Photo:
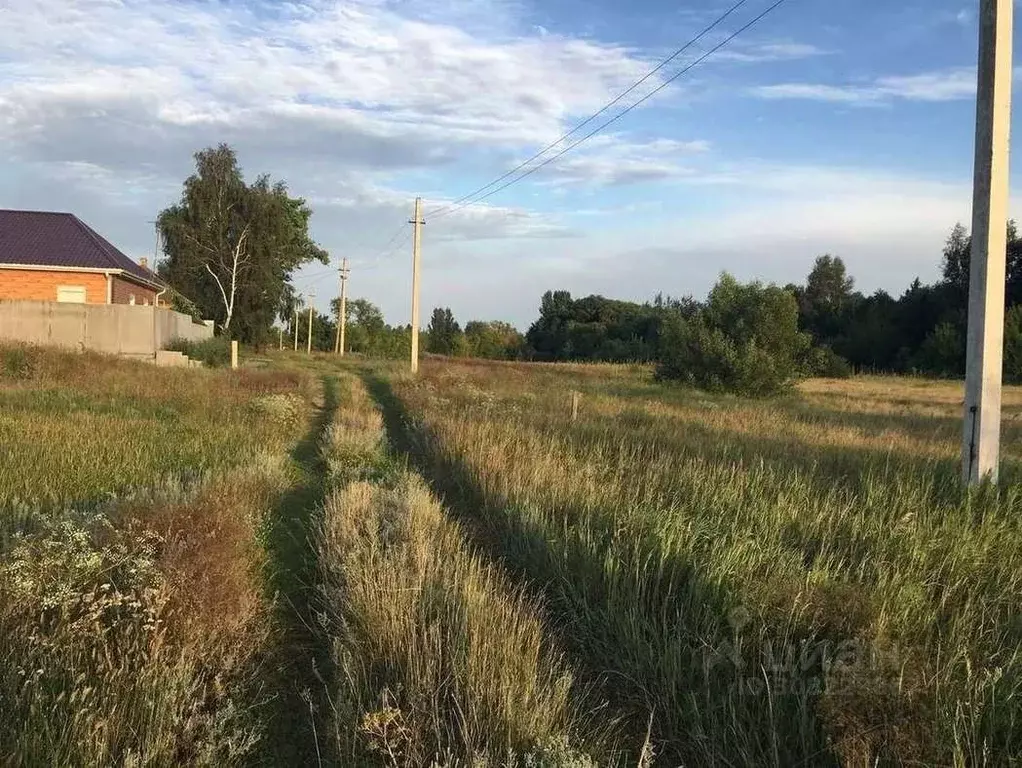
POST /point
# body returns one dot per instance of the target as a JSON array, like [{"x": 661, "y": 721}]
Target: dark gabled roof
[{"x": 46, "y": 239}]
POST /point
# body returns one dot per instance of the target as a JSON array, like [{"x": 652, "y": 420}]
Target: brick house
[{"x": 57, "y": 257}]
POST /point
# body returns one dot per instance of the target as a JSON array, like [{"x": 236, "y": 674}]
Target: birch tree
[{"x": 231, "y": 247}]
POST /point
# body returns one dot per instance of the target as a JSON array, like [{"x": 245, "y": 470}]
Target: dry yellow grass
[
  {"x": 437, "y": 656},
  {"x": 714, "y": 555}
]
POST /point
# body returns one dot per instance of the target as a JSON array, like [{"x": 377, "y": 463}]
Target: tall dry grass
[
  {"x": 814, "y": 599},
  {"x": 438, "y": 658},
  {"x": 132, "y": 599},
  {"x": 130, "y": 634}
]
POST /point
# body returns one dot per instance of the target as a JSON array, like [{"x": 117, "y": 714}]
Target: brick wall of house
[
  {"x": 41, "y": 285},
  {"x": 124, "y": 290}
]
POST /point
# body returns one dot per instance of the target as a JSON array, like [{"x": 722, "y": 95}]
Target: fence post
[
  {"x": 234, "y": 355},
  {"x": 575, "y": 397}
]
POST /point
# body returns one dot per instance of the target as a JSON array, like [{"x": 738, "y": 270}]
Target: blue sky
[{"x": 830, "y": 127}]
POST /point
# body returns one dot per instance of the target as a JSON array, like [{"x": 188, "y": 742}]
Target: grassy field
[
  {"x": 309, "y": 562},
  {"x": 132, "y": 602},
  {"x": 437, "y": 656},
  {"x": 766, "y": 583}
]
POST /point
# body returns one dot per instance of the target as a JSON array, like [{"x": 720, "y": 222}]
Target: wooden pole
[
  {"x": 981, "y": 432},
  {"x": 308, "y": 344},
  {"x": 575, "y": 397},
  {"x": 417, "y": 223},
  {"x": 342, "y": 315},
  {"x": 234, "y": 355}
]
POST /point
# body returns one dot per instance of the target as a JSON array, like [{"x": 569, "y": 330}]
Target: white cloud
[
  {"x": 611, "y": 160},
  {"x": 360, "y": 104},
  {"x": 755, "y": 53},
  {"x": 103, "y": 102},
  {"x": 946, "y": 85},
  {"x": 356, "y": 73}
]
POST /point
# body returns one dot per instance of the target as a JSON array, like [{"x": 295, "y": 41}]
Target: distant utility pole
[
  {"x": 417, "y": 223},
  {"x": 296, "y": 324},
  {"x": 280, "y": 338},
  {"x": 982, "y": 429},
  {"x": 341, "y": 319},
  {"x": 308, "y": 348}
]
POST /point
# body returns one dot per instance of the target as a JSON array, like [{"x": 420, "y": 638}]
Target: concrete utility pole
[
  {"x": 341, "y": 319},
  {"x": 308, "y": 348},
  {"x": 982, "y": 429},
  {"x": 280, "y": 338},
  {"x": 417, "y": 223},
  {"x": 296, "y": 325}
]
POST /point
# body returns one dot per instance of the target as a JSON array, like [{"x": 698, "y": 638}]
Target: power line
[
  {"x": 721, "y": 19},
  {"x": 379, "y": 256},
  {"x": 384, "y": 253},
  {"x": 601, "y": 110},
  {"x": 313, "y": 275},
  {"x": 454, "y": 208},
  {"x": 397, "y": 233}
]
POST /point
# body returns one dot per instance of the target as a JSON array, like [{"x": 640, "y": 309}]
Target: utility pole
[
  {"x": 341, "y": 319},
  {"x": 417, "y": 223},
  {"x": 280, "y": 338},
  {"x": 296, "y": 322},
  {"x": 985, "y": 348},
  {"x": 308, "y": 348}
]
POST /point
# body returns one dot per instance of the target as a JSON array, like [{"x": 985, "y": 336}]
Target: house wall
[
  {"x": 41, "y": 285},
  {"x": 123, "y": 290},
  {"x": 114, "y": 328}
]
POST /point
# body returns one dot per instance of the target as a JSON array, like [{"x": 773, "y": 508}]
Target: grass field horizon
[{"x": 324, "y": 561}]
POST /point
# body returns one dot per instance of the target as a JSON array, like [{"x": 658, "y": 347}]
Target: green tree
[
  {"x": 367, "y": 333},
  {"x": 598, "y": 328},
  {"x": 826, "y": 299},
  {"x": 231, "y": 247},
  {"x": 956, "y": 260},
  {"x": 942, "y": 353},
  {"x": 495, "y": 340},
  {"x": 444, "y": 332},
  {"x": 324, "y": 328}
]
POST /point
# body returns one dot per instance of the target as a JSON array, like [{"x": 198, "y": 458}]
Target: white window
[{"x": 71, "y": 294}]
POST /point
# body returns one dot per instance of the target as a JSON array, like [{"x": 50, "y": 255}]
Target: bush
[
  {"x": 942, "y": 353},
  {"x": 745, "y": 340},
  {"x": 1013, "y": 345},
  {"x": 214, "y": 352},
  {"x": 826, "y": 363}
]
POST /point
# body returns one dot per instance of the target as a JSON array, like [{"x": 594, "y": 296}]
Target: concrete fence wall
[{"x": 119, "y": 329}]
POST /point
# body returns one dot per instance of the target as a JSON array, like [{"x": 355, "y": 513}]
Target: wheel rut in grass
[
  {"x": 452, "y": 482},
  {"x": 300, "y": 661}
]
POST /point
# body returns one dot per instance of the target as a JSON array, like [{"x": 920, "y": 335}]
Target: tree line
[
  {"x": 753, "y": 337},
  {"x": 231, "y": 247}
]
